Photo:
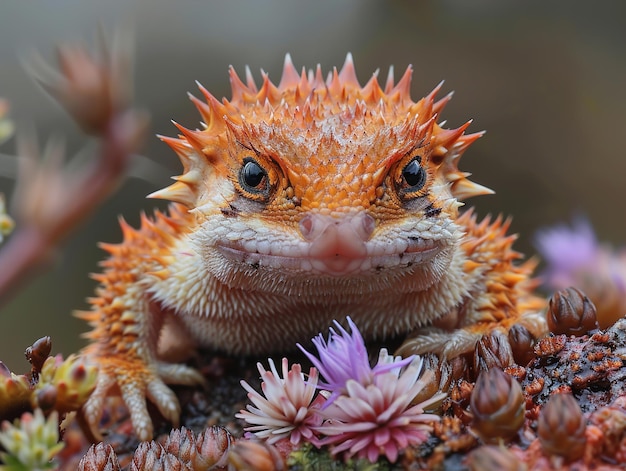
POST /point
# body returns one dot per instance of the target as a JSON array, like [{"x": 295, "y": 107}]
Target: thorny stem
[{"x": 29, "y": 247}]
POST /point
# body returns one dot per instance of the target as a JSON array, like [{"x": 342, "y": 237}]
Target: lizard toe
[
  {"x": 176, "y": 373},
  {"x": 165, "y": 400},
  {"x": 93, "y": 407},
  {"x": 135, "y": 399}
]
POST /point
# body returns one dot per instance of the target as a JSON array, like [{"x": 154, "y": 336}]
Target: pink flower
[
  {"x": 288, "y": 409},
  {"x": 377, "y": 418}
]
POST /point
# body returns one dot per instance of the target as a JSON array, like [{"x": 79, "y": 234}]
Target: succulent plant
[
  {"x": 15, "y": 392},
  {"x": 249, "y": 455},
  {"x": 207, "y": 450},
  {"x": 493, "y": 458},
  {"x": 492, "y": 350},
  {"x": 65, "y": 385},
  {"x": 522, "y": 344},
  {"x": 99, "y": 457},
  {"x": 570, "y": 312},
  {"x": 497, "y": 404},
  {"x": 561, "y": 427},
  {"x": 31, "y": 442}
]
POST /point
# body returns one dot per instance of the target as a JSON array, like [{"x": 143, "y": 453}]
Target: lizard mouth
[{"x": 342, "y": 258}]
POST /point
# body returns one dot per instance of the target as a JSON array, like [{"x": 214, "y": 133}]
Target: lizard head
[{"x": 323, "y": 183}]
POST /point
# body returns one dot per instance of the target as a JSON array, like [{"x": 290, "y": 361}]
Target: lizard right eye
[{"x": 253, "y": 178}]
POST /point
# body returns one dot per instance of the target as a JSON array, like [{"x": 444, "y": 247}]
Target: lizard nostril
[
  {"x": 360, "y": 225},
  {"x": 306, "y": 226}
]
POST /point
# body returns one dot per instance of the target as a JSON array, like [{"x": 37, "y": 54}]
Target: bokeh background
[{"x": 547, "y": 80}]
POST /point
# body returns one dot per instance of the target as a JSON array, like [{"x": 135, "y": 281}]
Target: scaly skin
[{"x": 300, "y": 204}]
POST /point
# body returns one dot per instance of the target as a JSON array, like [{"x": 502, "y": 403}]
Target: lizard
[{"x": 301, "y": 203}]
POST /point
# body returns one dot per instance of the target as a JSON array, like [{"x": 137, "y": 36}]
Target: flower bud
[
  {"x": 570, "y": 312},
  {"x": 213, "y": 445},
  {"x": 38, "y": 352},
  {"x": 497, "y": 404},
  {"x": 521, "y": 341},
  {"x": 493, "y": 458},
  {"x": 150, "y": 456},
  {"x": 492, "y": 350},
  {"x": 100, "y": 457},
  {"x": 182, "y": 444},
  {"x": 251, "y": 455},
  {"x": 440, "y": 381},
  {"x": 561, "y": 427}
]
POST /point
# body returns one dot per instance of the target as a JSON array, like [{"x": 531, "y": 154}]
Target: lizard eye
[
  {"x": 414, "y": 176},
  {"x": 253, "y": 178}
]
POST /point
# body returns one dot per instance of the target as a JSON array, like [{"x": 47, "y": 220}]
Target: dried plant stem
[{"x": 31, "y": 246}]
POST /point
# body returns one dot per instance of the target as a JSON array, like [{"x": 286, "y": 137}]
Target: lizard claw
[
  {"x": 447, "y": 344},
  {"x": 138, "y": 382}
]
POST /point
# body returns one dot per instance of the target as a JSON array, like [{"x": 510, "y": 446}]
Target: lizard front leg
[
  {"x": 500, "y": 294},
  {"x": 126, "y": 330}
]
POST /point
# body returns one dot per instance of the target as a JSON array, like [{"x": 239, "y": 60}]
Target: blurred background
[{"x": 547, "y": 80}]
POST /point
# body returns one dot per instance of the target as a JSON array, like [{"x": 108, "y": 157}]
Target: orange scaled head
[{"x": 319, "y": 174}]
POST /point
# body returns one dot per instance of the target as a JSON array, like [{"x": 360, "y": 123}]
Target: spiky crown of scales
[{"x": 305, "y": 107}]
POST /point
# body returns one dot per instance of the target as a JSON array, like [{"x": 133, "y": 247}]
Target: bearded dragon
[{"x": 301, "y": 203}]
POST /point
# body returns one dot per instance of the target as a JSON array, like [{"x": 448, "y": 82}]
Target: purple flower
[
  {"x": 574, "y": 258},
  {"x": 567, "y": 251},
  {"x": 344, "y": 357}
]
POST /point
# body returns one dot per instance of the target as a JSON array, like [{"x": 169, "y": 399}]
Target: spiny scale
[{"x": 306, "y": 100}]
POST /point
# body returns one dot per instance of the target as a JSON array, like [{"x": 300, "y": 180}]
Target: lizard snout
[{"x": 337, "y": 241}]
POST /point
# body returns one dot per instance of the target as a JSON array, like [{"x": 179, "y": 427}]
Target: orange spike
[
  {"x": 250, "y": 80},
  {"x": 389, "y": 84},
  {"x": 372, "y": 91},
  {"x": 304, "y": 86},
  {"x": 463, "y": 189},
  {"x": 89, "y": 316},
  {"x": 196, "y": 139},
  {"x": 181, "y": 147},
  {"x": 99, "y": 277},
  {"x": 110, "y": 248},
  {"x": 239, "y": 90},
  {"x": 435, "y": 91},
  {"x": 403, "y": 87},
  {"x": 318, "y": 80},
  {"x": 290, "y": 77},
  {"x": 178, "y": 192},
  {"x": 465, "y": 141},
  {"x": 128, "y": 232},
  {"x": 268, "y": 91},
  {"x": 203, "y": 108},
  {"x": 441, "y": 104},
  {"x": 446, "y": 137},
  {"x": 334, "y": 84},
  {"x": 348, "y": 73}
]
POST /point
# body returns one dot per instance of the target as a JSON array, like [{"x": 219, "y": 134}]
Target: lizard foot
[
  {"x": 137, "y": 382},
  {"x": 446, "y": 344},
  {"x": 489, "y": 341}
]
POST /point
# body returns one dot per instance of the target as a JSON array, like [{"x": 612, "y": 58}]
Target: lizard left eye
[
  {"x": 253, "y": 178},
  {"x": 414, "y": 175}
]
